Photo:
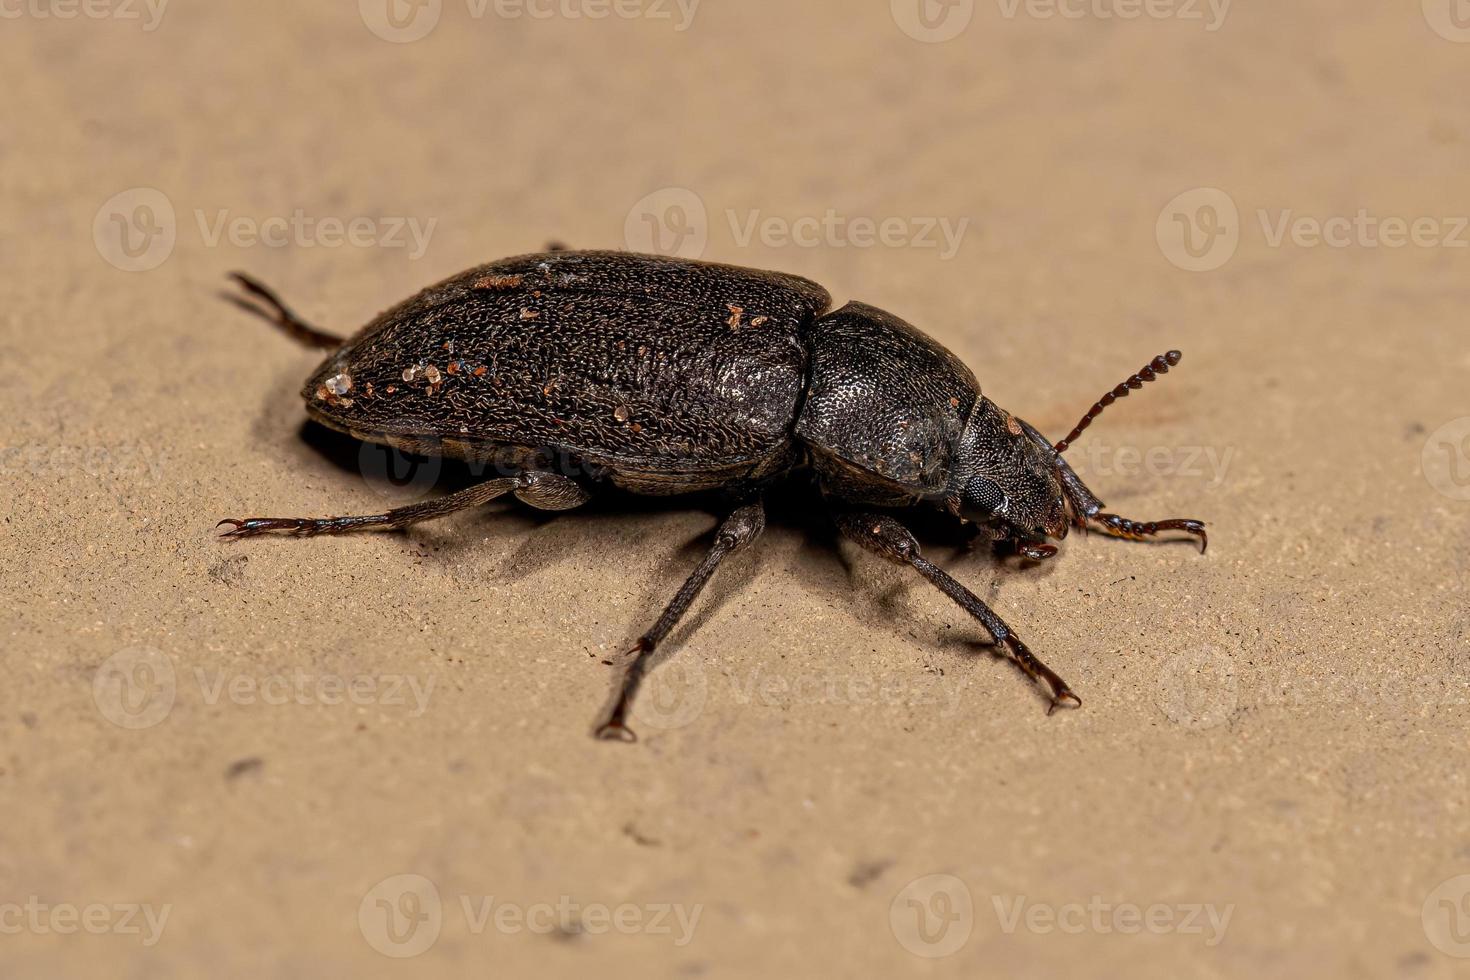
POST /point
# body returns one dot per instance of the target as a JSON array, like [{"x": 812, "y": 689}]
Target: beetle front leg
[
  {"x": 887, "y": 537},
  {"x": 738, "y": 530}
]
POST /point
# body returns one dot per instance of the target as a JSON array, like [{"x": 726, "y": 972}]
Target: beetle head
[{"x": 1005, "y": 478}]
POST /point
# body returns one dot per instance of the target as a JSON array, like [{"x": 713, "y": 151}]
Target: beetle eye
[{"x": 983, "y": 494}]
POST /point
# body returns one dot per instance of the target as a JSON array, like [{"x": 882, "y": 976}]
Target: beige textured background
[{"x": 1276, "y": 729}]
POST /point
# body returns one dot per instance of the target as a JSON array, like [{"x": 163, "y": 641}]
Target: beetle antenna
[{"x": 1150, "y": 371}]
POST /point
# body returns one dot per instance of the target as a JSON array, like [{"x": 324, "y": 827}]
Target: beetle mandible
[{"x": 571, "y": 370}]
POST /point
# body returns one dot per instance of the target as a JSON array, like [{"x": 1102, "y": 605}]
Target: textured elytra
[
  {"x": 886, "y": 399},
  {"x": 646, "y": 364}
]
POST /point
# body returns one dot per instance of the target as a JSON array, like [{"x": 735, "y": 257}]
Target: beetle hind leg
[
  {"x": 392, "y": 520},
  {"x": 263, "y": 302},
  {"x": 1122, "y": 527}
]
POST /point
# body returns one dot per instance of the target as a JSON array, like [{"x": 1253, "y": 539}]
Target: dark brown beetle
[{"x": 569, "y": 370}]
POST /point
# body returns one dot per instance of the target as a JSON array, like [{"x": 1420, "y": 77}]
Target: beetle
[{"x": 570, "y": 371}]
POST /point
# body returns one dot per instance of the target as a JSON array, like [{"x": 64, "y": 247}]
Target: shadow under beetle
[{"x": 568, "y": 370}]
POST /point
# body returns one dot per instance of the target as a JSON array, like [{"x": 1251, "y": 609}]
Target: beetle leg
[
  {"x": 392, "y": 520},
  {"x": 742, "y": 527},
  {"x": 1122, "y": 527},
  {"x": 887, "y": 537},
  {"x": 280, "y": 314}
]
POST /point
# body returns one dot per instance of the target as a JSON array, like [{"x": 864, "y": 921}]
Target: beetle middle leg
[
  {"x": 279, "y": 314},
  {"x": 548, "y": 491},
  {"x": 742, "y": 527},
  {"x": 887, "y": 537}
]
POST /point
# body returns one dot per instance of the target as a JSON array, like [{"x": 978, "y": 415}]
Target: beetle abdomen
[
  {"x": 883, "y": 399},
  {"x": 646, "y": 364}
]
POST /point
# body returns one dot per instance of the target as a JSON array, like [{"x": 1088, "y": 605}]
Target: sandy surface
[{"x": 256, "y": 739}]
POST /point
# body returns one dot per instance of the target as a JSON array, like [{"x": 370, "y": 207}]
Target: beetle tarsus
[
  {"x": 1061, "y": 691},
  {"x": 616, "y": 727},
  {"x": 1061, "y": 698},
  {"x": 1122, "y": 527},
  {"x": 616, "y": 731},
  {"x": 301, "y": 527}
]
